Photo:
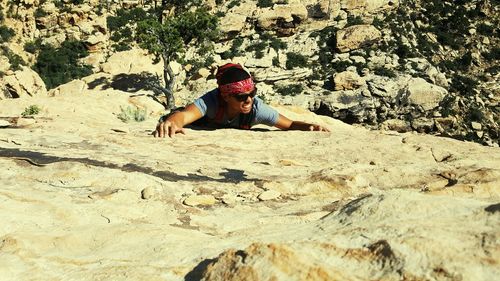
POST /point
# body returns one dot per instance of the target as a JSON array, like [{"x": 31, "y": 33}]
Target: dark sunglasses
[{"x": 244, "y": 97}]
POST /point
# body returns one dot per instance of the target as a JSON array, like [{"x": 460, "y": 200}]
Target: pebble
[
  {"x": 147, "y": 193},
  {"x": 4, "y": 123},
  {"x": 269, "y": 195},
  {"x": 197, "y": 200},
  {"x": 476, "y": 126}
]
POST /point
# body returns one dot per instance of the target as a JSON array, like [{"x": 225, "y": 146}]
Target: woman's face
[{"x": 241, "y": 102}]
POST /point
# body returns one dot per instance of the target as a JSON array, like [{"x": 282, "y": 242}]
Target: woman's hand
[
  {"x": 169, "y": 128},
  {"x": 175, "y": 123}
]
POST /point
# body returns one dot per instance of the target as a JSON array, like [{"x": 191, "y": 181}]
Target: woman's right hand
[{"x": 169, "y": 128}]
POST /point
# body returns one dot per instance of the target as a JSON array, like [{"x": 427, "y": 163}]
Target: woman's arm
[
  {"x": 287, "y": 124},
  {"x": 175, "y": 123}
]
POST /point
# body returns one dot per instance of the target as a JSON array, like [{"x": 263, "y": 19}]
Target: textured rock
[
  {"x": 357, "y": 36},
  {"x": 24, "y": 82},
  {"x": 348, "y": 80},
  {"x": 422, "y": 93},
  {"x": 72, "y": 189}
]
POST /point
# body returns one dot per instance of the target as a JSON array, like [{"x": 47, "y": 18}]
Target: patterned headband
[{"x": 242, "y": 86}]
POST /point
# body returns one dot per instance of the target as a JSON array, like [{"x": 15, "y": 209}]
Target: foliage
[
  {"x": 120, "y": 27},
  {"x": 2, "y": 17},
  {"x": 264, "y": 3},
  {"x": 382, "y": 71},
  {"x": 493, "y": 54},
  {"x": 168, "y": 39},
  {"x": 6, "y": 33},
  {"x": 463, "y": 85},
  {"x": 354, "y": 20},
  {"x": 57, "y": 66},
  {"x": 258, "y": 48},
  {"x": 295, "y": 60},
  {"x": 132, "y": 114},
  {"x": 290, "y": 90},
  {"x": 234, "y": 50},
  {"x": 327, "y": 42},
  {"x": 31, "y": 110},
  {"x": 40, "y": 13},
  {"x": 33, "y": 46},
  {"x": 15, "y": 60},
  {"x": 233, "y": 3}
]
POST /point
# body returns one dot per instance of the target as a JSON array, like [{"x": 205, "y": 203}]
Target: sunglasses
[{"x": 244, "y": 97}]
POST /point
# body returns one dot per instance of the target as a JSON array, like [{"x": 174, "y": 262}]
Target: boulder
[
  {"x": 74, "y": 87},
  {"x": 282, "y": 18},
  {"x": 132, "y": 61},
  {"x": 357, "y": 36},
  {"x": 368, "y": 6},
  {"x": 232, "y": 23},
  {"x": 422, "y": 94},
  {"x": 348, "y": 80},
  {"x": 275, "y": 74},
  {"x": 24, "y": 82}
]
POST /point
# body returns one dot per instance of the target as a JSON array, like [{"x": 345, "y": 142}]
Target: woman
[{"x": 232, "y": 104}]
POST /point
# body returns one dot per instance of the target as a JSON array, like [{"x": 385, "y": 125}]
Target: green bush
[
  {"x": 15, "y": 60},
  {"x": 33, "y": 46},
  {"x": 132, "y": 114},
  {"x": 31, "y": 110},
  {"x": 258, "y": 48},
  {"x": 57, "y": 66},
  {"x": 294, "y": 60},
  {"x": 290, "y": 90},
  {"x": 354, "y": 20},
  {"x": 233, "y": 3},
  {"x": 40, "y": 13},
  {"x": 493, "y": 54},
  {"x": 382, "y": 71},
  {"x": 463, "y": 85},
  {"x": 6, "y": 33},
  {"x": 277, "y": 44},
  {"x": 264, "y": 3}
]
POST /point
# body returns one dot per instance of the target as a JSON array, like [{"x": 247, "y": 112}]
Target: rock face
[
  {"x": 357, "y": 36},
  {"x": 24, "y": 82},
  {"x": 88, "y": 197},
  {"x": 423, "y": 94}
]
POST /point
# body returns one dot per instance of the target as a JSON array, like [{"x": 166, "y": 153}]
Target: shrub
[
  {"x": 264, "y": 3},
  {"x": 277, "y": 44},
  {"x": 290, "y": 90},
  {"x": 15, "y": 60},
  {"x": 233, "y": 3},
  {"x": 132, "y": 114},
  {"x": 40, "y": 13},
  {"x": 493, "y": 54},
  {"x": 6, "y": 34},
  {"x": 385, "y": 72},
  {"x": 31, "y": 110},
  {"x": 33, "y": 46},
  {"x": 57, "y": 66},
  {"x": 258, "y": 48},
  {"x": 295, "y": 60},
  {"x": 354, "y": 20},
  {"x": 463, "y": 85}
]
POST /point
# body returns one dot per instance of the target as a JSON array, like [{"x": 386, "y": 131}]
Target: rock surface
[{"x": 354, "y": 204}]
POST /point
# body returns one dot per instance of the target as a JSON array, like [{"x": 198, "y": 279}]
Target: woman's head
[{"x": 236, "y": 87}]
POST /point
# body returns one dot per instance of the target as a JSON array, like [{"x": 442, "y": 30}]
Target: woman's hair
[{"x": 231, "y": 73}]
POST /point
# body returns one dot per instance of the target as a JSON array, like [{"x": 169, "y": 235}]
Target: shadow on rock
[
  {"x": 199, "y": 270},
  {"x": 130, "y": 83}
]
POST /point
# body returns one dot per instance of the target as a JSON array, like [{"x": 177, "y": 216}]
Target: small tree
[{"x": 166, "y": 40}]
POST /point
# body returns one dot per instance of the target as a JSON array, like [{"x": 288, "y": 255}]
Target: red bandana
[{"x": 243, "y": 86}]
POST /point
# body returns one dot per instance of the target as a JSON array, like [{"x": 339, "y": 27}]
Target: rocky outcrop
[
  {"x": 357, "y": 36},
  {"x": 422, "y": 94},
  {"x": 22, "y": 83},
  {"x": 284, "y": 19},
  {"x": 88, "y": 196}
]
